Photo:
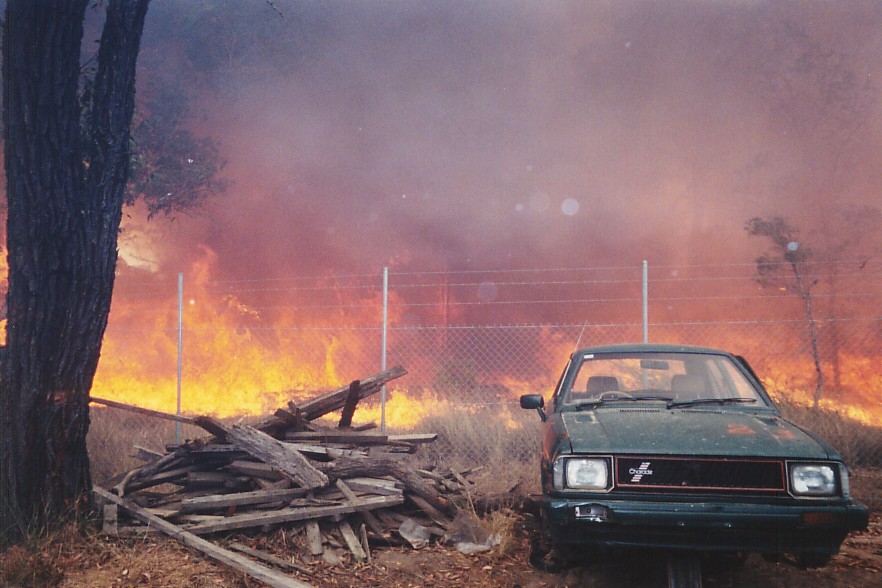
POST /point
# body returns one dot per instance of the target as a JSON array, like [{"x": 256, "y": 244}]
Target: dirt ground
[{"x": 76, "y": 559}]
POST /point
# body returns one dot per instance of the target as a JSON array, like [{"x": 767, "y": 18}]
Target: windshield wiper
[
  {"x": 699, "y": 401},
  {"x": 598, "y": 402}
]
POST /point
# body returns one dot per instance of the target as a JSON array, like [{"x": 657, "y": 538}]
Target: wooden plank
[
  {"x": 292, "y": 418},
  {"x": 255, "y": 469},
  {"x": 148, "y": 470},
  {"x": 430, "y": 510},
  {"x": 144, "y": 411},
  {"x": 314, "y": 538},
  {"x": 255, "y": 570},
  {"x": 312, "y": 449},
  {"x": 373, "y": 467},
  {"x": 218, "y": 501},
  {"x": 145, "y": 454},
  {"x": 213, "y": 426},
  {"x": 287, "y": 460},
  {"x": 336, "y": 399},
  {"x": 350, "y": 437},
  {"x": 372, "y": 488},
  {"x": 363, "y": 427},
  {"x": 352, "y": 541},
  {"x": 414, "y": 438},
  {"x": 354, "y": 499},
  {"x": 269, "y": 558},
  {"x": 287, "y": 515},
  {"x": 362, "y": 536},
  {"x": 109, "y": 526},
  {"x": 215, "y": 479},
  {"x": 349, "y": 405},
  {"x": 164, "y": 477}
]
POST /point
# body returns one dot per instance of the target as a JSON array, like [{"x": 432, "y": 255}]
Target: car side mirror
[{"x": 534, "y": 401}]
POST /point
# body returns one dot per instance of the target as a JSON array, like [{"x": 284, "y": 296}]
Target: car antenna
[{"x": 579, "y": 340}]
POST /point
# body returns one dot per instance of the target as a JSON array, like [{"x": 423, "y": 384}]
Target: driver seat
[{"x": 597, "y": 385}]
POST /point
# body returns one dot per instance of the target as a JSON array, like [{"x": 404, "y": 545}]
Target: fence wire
[{"x": 473, "y": 342}]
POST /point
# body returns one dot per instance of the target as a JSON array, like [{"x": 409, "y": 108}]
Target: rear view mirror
[{"x": 654, "y": 364}]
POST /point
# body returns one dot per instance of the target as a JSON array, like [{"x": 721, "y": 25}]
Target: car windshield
[{"x": 681, "y": 379}]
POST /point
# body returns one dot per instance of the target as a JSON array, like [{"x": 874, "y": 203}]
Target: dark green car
[{"x": 681, "y": 449}]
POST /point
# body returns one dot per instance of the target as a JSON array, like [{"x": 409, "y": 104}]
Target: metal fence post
[
  {"x": 645, "y": 301},
  {"x": 180, "y": 351},
  {"x": 383, "y": 352}
]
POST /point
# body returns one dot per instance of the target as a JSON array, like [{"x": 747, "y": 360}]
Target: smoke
[{"x": 455, "y": 135}]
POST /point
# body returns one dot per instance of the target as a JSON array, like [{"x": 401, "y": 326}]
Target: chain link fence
[{"x": 473, "y": 342}]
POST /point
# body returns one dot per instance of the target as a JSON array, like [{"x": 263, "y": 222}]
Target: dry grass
[
  {"x": 80, "y": 557},
  {"x": 505, "y": 445},
  {"x": 860, "y": 445},
  {"x": 114, "y": 433}
]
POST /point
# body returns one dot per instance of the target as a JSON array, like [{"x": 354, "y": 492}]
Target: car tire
[
  {"x": 807, "y": 561},
  {"x": 684, "y": 571}
]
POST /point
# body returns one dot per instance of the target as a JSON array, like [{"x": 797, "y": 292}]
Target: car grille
[{"x": 691, "y": 474}]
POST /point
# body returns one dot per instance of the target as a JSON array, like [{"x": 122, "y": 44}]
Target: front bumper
[{"x": 703, "y": 526}]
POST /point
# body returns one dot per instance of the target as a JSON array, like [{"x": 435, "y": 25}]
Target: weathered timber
[
  {"x": 144, "y": 411},
  {"x": 287, "y": 460},
  {"x": 164, "y": 477},
  {"x": 145, "y": 454},
  {"x": 269, "y": 558},
  {"x": 216, "y": 479},
  {"x": 461, "y": 479},
  {"x": 255, "y": 469},
  {"x": 314, "y": 538},
  {"x": 375, "y": 486},
  {"x": 362, "y": 536},
  {"x": 255, "y": 570},
  {"x": 293, "y": 419},
  {"x": 109, "y": 525},
  {"x": 414, "y": 438},
  {"x": 349, "y": 405},
  {"x": 218, "y": 450},
  {"x": 321, "y": 405},
  {"x": 336, "y": 399},
  {"x": 286, "y": 515},
  {"x": 240, "y": 499},
  {"x": 352, "y": 438},
  {"x": 147, "y": 470},
  {"x": 352, "y": 541},
  {"x": 326, "y": 450},
  {"x": 430, "y": 510},
  {"x": 363, "y": 427},
  {"x": 213, "y": 426},
  {"x": 353, "y": 498},
  {"x": 379, "y": 467}
]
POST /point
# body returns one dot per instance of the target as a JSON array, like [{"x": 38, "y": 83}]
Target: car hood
[{"x": 687, "y": 431}]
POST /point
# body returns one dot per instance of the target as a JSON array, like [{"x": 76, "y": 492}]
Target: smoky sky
[{"x": 449, "y": 135}]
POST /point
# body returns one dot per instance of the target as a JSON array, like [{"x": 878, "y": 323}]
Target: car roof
[{"x": 648, "y": 348}]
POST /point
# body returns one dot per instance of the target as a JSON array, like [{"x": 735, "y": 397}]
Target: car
[{"x": 681, "y": 449}]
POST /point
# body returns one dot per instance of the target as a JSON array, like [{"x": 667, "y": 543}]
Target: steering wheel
[{"x": 613, "y": 394}]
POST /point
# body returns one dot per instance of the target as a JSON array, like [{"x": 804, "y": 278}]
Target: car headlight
[
  {"x": 807, "y": 479},
  {"x": 581, "y": 473}
]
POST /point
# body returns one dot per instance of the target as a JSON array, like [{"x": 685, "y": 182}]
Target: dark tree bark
[{"x": 66, "y": 167}]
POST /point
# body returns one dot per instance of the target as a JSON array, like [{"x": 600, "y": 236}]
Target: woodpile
[{"x": 289, "y": 471}]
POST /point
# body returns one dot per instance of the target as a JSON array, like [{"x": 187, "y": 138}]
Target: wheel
[
  {"x": 684, "y": 571},
  {"x": 812, "y": 560}
]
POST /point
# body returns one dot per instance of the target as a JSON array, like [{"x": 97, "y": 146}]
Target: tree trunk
[
  {"x": 66, "y": 172},
  {"x": 806, "y": 297}
]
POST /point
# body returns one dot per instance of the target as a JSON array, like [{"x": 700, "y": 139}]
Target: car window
[{"x": 678, "y": 376}]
